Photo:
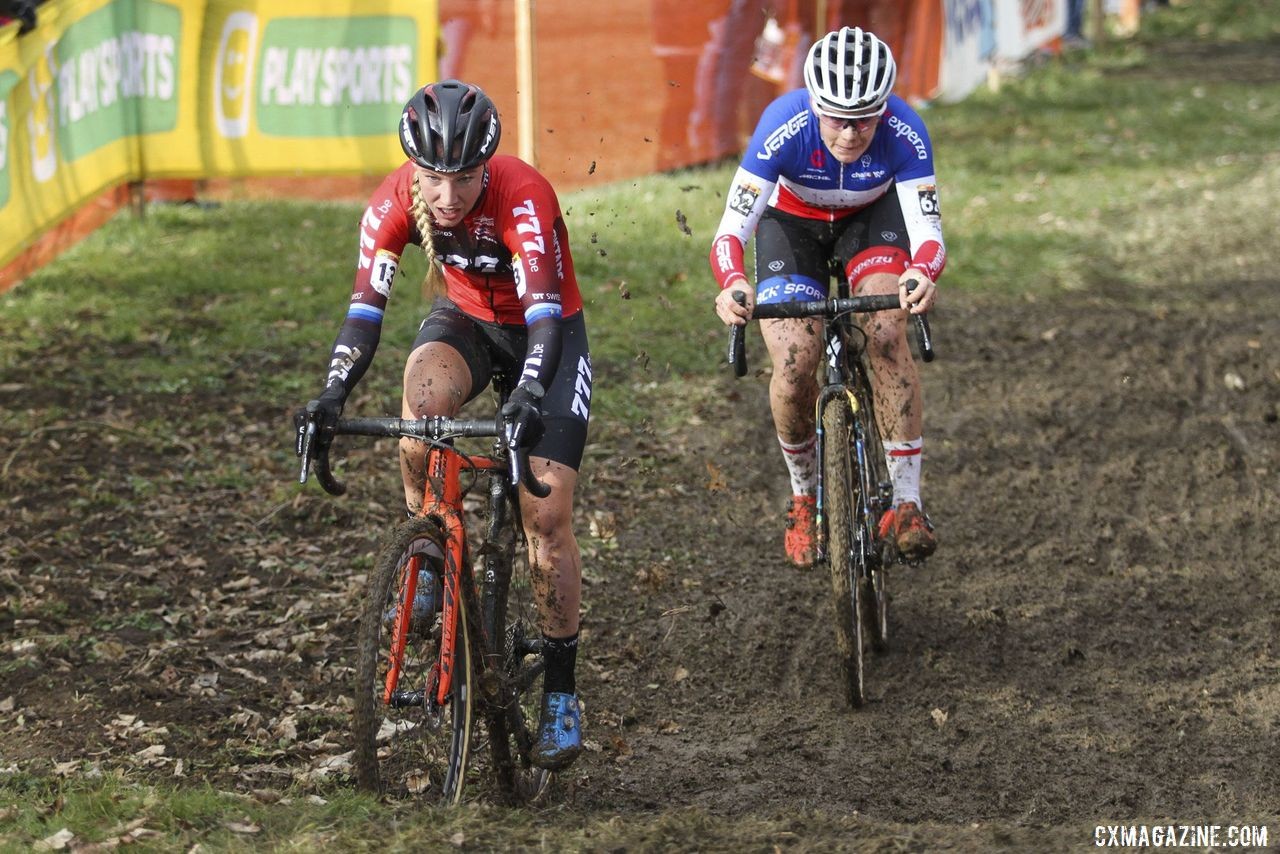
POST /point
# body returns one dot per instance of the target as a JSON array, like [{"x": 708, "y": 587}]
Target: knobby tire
[
  {"x": 840, "y": 499},
  {"x": 512, "y": 620},
  {"x": 403, "y": 750}
]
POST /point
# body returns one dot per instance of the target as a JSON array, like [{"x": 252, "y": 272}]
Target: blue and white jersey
[{"x": 789, "y": 167}]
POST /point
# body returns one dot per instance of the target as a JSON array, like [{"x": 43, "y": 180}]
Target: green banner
[
  {"x": 117, "y": 75},
  {"x": 320, "y": 80},
  {"x": 103, "y": 92},
  {"x": 7, "y": 81}
]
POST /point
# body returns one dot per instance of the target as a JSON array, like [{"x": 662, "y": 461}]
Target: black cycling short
[
  {"x": 795, "y": 255},
  {"x": 498, "y": 350}
]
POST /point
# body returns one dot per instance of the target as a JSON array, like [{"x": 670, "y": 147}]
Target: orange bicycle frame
[{"x": 441, "y": 500}]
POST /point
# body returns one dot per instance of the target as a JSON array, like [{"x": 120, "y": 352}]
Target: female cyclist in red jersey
[{"x": 511, "y": 306}]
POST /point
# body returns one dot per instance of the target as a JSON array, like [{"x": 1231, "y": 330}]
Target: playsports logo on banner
[
  {"x": 329, "y": 72},
  {"x": 304, "y": 77},
  {"x": 104, "y": 92}
]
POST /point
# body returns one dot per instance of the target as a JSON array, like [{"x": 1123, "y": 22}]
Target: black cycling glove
[
  {"x": 324, "y": 412},
  {"x": 522, "y": 416}
]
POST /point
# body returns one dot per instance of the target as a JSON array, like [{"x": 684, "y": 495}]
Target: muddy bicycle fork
[{"x": 441, "y": 501}]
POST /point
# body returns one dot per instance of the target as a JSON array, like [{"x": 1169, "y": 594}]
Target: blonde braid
[{"x": 434, "y": 282}]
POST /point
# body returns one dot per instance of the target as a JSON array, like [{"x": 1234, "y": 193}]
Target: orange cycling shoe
[
  {"x": 912, "y": 531},
  {"x": 799, "y": 538}
]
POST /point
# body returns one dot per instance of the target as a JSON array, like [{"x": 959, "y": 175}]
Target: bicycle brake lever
[
  {"x": 738, "y": 342},
  {"x": 306, "y": 435},
  {"x": 924, "y": 338},
  {"x": 522, "y": 472}
]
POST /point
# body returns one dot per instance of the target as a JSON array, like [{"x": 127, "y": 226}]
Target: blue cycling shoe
[{"x": 559, "y": 732}]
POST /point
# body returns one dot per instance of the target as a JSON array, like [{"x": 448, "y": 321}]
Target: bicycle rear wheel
[
  {"x": 406, "y": 743},
  {"x": 513, "y": 717},
  {"x": 839, "y": 497}
]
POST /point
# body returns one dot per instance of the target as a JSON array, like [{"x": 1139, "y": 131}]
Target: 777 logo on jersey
[{"x": 929, "y": 200}]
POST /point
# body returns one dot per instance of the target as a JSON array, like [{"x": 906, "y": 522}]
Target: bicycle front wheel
[
  {"x": 407, "y": 743},
  {"x": 839, "y": 498}
]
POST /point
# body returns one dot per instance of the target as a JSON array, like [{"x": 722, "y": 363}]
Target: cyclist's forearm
[
  {"x": 922, "y": 214},
  {"x": 727, "y": 261},
  {"x": 352, "y": 354},
  {"x": 542, "y": 356}
]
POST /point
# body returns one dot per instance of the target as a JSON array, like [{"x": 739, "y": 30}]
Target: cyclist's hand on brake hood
[
  {"x": 728, "y": 308},
  {"x": 923, "y": 291},
  {"x": 522, "y": 416},
  {"x": 324, "y": 412}
]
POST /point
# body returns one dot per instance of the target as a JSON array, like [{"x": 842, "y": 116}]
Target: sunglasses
[{"x": 861, "y": 125}]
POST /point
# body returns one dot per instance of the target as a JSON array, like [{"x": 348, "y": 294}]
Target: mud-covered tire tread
[
  {"x": 517, "y": 784},
  {"x": 838, "y": 498},
  {"x": 367, "y": 712}
]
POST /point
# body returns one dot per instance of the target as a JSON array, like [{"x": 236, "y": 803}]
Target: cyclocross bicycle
[
  {"x": 853, "y": 489},
  {"x": 437, "y": 644}
]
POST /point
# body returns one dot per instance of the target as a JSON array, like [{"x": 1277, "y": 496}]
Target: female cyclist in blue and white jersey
[{"x": 839, "y": 171}]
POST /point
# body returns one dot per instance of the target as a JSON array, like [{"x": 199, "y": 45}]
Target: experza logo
[{"x": 536, "y": 245}]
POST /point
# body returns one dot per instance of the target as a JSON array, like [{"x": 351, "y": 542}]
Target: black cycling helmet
[{"x": 449, "y": 126}]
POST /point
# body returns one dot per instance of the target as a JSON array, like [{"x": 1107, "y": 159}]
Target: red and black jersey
[{"x": 508, "y": 262}]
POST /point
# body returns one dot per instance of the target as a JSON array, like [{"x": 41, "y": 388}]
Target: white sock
[
  {"x": 802, "y": 463},
  {"x": 903, "y": 459}
]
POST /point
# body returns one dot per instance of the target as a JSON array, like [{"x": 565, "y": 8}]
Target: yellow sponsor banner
[
  {"x": 311, "y": 86},
  {"x": 108, "y": 91},
  {"x": 69, "y": 137}
]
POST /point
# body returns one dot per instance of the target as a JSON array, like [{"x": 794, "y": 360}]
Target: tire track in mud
[{"x": 1098, "y": 625}]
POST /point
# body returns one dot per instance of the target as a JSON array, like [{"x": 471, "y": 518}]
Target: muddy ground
[{"x": 1095, "y": 640}]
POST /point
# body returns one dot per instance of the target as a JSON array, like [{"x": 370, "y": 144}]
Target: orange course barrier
[
  {"x": 629, "y": 89},
  {"x": 621, "y": 90}
]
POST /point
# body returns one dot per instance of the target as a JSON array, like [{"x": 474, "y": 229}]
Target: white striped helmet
[{"x": 850, "y": 73}]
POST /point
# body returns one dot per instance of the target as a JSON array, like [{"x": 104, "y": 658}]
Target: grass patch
[{"x": 111, "y": 812}]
